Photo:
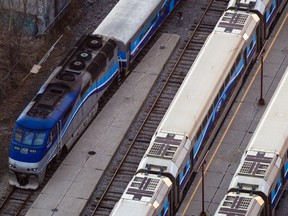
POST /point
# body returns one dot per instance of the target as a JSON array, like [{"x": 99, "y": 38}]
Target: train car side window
[
  {"x": 185, "y": 170},
  {"x": 210, "y": 111},
  {"x": 18, "y": 135},
  {"x": 204, "y": 122},
  {"x": 232, "y": 70},
  {"x": 251, "y": 44},
  {"x": 227, "y": 80},
  {"x": 222, "y": 89},
  {"x": 154, "y": 20},
  {"x": 198, "y": 133},
  {"x": 238, "y": 59}
]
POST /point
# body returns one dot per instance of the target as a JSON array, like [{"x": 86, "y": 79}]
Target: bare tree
[{"x": 15, "y": 57}]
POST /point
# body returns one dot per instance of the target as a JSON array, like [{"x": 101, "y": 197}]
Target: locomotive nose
[{"x": 23, "y": 179}]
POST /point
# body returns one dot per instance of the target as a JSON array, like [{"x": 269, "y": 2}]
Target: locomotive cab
[{"x": 26, "y": 161}]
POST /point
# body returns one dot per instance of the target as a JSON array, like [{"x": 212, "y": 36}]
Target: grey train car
[{"x": 37, "y": 15}]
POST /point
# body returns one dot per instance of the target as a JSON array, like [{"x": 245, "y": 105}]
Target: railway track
[
  {"x": 18, "y": 201},
  {"x": 130, "y": 152},
  {"x": 15, "y": 201}
]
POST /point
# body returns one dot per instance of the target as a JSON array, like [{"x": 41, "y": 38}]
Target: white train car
[
  {"x": 196, "y": 112},
  {"x": 141, "y": 19},
  {"x": 145, "y": 195},
  {"x": 263, "y": 169}
]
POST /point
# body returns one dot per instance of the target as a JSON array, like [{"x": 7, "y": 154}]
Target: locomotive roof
[
  {"x": 272, "y": 132},
  {"x": 209, "y": 69},
  {"x": 57, "y": 96},
  {"x": 126, "y": 18},
  {"x": 46, "y": 122}
]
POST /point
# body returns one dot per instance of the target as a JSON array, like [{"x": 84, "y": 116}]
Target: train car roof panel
[
  {"x": 165, "y": 145},
  {"x": 272, "y": 132},
  {"x": 244, "y": 204},
  {"x": 126, "y": 18},
  {"x": 143, "y": 195},
  {"x": 237, "y": 23}
]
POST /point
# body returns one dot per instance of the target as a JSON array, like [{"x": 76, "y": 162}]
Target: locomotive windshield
[{"x": 28, "y": 137}]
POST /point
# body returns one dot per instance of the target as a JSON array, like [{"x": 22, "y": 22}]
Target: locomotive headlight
[
  {"x": 34, "y": 169},
  {"x": 12, "y": 166}
]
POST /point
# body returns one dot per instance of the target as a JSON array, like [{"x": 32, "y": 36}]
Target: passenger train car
[
  {"x": 132, "y": 24},
  {"x": 196, "y": 112},
  {"x": 68, "y": 101},
  {"x": 262, "y": 175}
]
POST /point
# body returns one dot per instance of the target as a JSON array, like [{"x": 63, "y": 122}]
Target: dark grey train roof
[{"x": 90, "y": 56}]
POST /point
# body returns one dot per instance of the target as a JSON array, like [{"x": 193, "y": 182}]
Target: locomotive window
[
  {"x": 28, "y": 138},
  {"x": 39, "y": 138},
  {"x": 18, "y": 135}
]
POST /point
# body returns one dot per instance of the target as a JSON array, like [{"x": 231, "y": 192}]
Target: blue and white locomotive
[
  {"x": 68, "y": 101},
  {"x": 62, "y": 109},
  {"x": 200, "y": 105},
  {"x": 262, "y": 175}
]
